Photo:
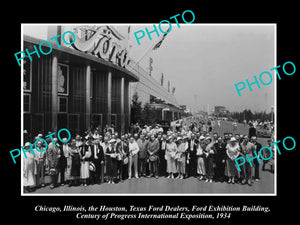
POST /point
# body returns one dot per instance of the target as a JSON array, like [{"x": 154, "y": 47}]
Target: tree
[
  {"x": 136, "y": 108},
  {"x": 149, "y": 115}
]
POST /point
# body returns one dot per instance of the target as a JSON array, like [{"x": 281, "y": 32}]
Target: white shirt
[{"x": 133, "y": 148}]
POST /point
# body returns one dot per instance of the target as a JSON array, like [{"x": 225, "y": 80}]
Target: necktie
[{"x": 95, "y": 152}]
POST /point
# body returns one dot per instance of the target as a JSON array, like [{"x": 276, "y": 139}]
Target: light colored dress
[
  {"x": 171, "y": 149},
  {"x": 29, "y": 169},
  {"x": 200, "y": 161},
  {"x": 84, "y": 169},
  {"x": 232, "y": 153},
  {"x": 181, "y": 158}
]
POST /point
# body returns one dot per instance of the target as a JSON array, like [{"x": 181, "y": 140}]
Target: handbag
[
  {"x": 153, "y": 158},
  {"x": 125, "y": 160},
  {"x": 92, "y": 166}
]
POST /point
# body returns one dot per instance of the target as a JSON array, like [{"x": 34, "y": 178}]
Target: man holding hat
[
  {"x": 153, "y": 158},
  {"x": 53, "y": 154},
  {"x": 96, "y": 161}
]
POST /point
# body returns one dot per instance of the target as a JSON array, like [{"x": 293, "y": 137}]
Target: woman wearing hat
[
  {"x": 75, "y": 164},
  {"x": 85, "y": 153},
  {"x": 232, "y": 151},
  {"x": 201, "y": 170},
  {"x": 180, "y": 158},
  {"x": 111, "y": 161},
  {"x": 209, "y": 160},
  {"x": 29, "y": 169},
  {"x": 171, "y": 149}
]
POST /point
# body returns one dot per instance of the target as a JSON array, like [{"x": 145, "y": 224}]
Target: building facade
[{"x": 73, "y": 88}]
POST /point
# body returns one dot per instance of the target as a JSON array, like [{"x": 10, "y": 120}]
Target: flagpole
[{"x": 148, "y": 50}]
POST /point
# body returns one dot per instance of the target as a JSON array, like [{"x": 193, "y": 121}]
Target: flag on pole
[
  {"x": 158, "y": 44},
  {"x": 150, "y": 65},
  {"x": 173, "y": 90},
  {"x": 162, "y": 79}
]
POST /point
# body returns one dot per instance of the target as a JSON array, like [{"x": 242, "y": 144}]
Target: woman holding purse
[
  {"x": 85, "y": 162},
  {"x": 181, "y": 158},
  {"x": 171, "y": 150},
  {"x": 232, "y": 151},
  {"x": 111, "y": 161}
]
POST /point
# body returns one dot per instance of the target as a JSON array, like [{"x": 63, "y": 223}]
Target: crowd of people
[{"x": 188, "y": 150}]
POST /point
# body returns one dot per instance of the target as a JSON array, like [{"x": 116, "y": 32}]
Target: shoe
[
  {"x": 172, "y": 176},
  {"x": 156, "y": 177},
  {"x": 85, "y": 185},
  {"x": 249, "y": 183},
  {"x": 129, "y": 178},
  {"x": 256, "y": 180},
  {"x": 169, "y": 176},
  {"x": 52, "y": 186},
  {"x": 112, "y": 182},
  {"x": 210, "y": 181},
  {"x": 232, "y": 181},
  {"x": 181, "y": 177},
  {"x": 43, "y": 185},
  {"x": 229, "y": 181},
  {"x": 206, "y": 180},
  {"x": 137, "y": 176},
  {"x": 62, "y": 184}
]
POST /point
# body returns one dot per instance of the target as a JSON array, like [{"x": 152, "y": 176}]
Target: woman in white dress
[
  {"x": 171, "y": 150},
  {"x": 181, "y": 158},
  {"x": 232, "y": 151},
  {"x": 201, "y": 158},
  {"x": 29, "y": 169}
]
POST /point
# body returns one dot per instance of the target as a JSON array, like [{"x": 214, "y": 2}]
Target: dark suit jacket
[
  {"x": 100, "y": 153},
  {"x": 192, "y": 149}
]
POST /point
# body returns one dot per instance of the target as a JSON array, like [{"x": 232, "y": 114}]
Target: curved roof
[{"x": 77, "y": 56}]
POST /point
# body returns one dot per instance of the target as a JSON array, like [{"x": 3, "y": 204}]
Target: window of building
[
  {"x": 63, "y": 104},
  {"x": 27, "y": 103},
  {"x": 27, "y": 74}
]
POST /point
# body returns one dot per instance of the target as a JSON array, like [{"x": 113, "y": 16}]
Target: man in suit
[
  {"x": 142, "y": 155},
  {"x": 255, "y": 162},
  {"x": 53, "y": 154},
  {"x": 162, "y": 166},
  {"x": 192, "y": 158},
  {"x": 97, "y": 159}
]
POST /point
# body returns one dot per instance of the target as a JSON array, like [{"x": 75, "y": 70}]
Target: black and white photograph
[
  {"x": 132, "y": 114},
  {"x": 150, "y": 109}
]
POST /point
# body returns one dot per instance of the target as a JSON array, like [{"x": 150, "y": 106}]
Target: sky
[{"x": 205, "y": 61}]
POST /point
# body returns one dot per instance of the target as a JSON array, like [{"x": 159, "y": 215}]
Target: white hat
[
  {"x": 232, "y": 139},
  {"x": 202, "y": 137},
  {"x": 112, "y": 140},
  {"x": 179, "y": 138}
]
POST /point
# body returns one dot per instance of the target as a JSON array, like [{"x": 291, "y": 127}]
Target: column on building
[
  {"x": 88, "y": 94},
  {"x": 109, "y": 90},
  {"x": 54, "y": 93},
  {"x": 122, "y": 102}
]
